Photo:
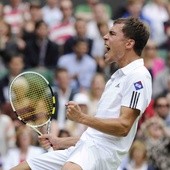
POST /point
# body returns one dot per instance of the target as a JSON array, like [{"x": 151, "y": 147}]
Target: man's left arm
[{"x": 113, "y": 126}]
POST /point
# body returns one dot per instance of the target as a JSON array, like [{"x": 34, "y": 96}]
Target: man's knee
[{"x": 71, "y": 166}]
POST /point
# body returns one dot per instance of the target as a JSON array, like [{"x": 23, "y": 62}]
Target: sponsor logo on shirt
[{"x": 138, "y": 85}]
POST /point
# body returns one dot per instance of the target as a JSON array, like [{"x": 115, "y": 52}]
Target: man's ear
[{"x": 130, "y": 43}]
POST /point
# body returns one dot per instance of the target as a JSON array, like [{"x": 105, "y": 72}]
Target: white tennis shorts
[{"x": 86, "y": 154}]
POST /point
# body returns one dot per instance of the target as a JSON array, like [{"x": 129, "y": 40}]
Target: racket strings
[{"x": 32, "y": 99}]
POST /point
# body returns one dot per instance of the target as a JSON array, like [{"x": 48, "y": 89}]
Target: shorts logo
[{"x": 138, "y": 85}]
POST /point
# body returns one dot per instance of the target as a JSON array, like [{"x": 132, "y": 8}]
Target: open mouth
[{"x": 107, "y": 48}]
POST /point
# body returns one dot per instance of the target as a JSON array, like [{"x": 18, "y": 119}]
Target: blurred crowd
[{"x": 65, "y": 43}]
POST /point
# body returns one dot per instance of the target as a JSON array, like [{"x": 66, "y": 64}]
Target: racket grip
[{"x": 50, "y": 149}]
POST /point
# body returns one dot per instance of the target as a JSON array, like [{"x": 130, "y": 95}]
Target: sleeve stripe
[
  {"x": 138, "y": 94},
  {"x": 134, "y": 99}
]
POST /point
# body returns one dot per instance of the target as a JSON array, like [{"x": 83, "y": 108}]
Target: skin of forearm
[
  {"x": 65, "y": 142},
  {"x": 114, "y": 126}
]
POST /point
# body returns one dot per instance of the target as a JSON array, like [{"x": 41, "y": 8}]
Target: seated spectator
[
  {"x": 7, "y": 135},
  {"x": 81, "y": 31},
  {"x": 8, "y": 43},
  {"x": 160, "y": 83},
  {"x": 157, "y": 140},
  {"x": 134, "y": 9},
  {"x": 100, "y": 16},
  {"x": 162, "y": 109},
  {"x": 138, "y": 159},
  {"x": 98, "y": 49},
  {"x": 15, "y": 66},
  {"x": 35, "y": 16},
  {"x": 153, "y": 62},
  {"x": 51, "y": 12},
  {"x": 63, "y": 30},
  {"x": 166, "y": 45},
  {"x": 80, "y": 65},
  {"x": 63, "y": 93},
  {"x": 95, "y": 92},
  {"x": 15, "y": 13},
  {"x": 40, "y": 51},
  {"x": 24, "y": 149},
  {"x": 156, "y": 12}
]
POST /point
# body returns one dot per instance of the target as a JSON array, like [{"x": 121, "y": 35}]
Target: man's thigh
[
  {"x": 71, "y": 166},
  {"x": 50, "y": 161},
  {"x": 22, "y": 166}
]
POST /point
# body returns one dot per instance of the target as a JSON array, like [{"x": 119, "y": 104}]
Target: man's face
[{"x": 115, "y": 43}]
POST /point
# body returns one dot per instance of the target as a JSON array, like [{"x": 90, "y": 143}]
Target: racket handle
[{"x": 50, "y": 149}]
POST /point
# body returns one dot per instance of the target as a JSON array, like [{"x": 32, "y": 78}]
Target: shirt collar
[{"x": 129, "y": 68}]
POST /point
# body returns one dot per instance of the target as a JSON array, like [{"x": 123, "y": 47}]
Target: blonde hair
[
  {"x": 150, "y": 122},
  {"x": 20, "y": 130},
  {"x": 138, "y": 145}
]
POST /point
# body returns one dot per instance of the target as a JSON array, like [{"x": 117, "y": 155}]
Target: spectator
[
  {"x": 81, "y": 66},
  {"x": 40, "y": 51},
  {"x": 95, "y": 92},
  {"x": 63, "y": 30},
  {"x": 7, "y": 135},
  {"x": 157, "y": 21},
  {"x": 153, "y": 62},
  {"x": 24, "y": 148},
  {"x": 8, "y": 43},
  {"x": 81, "y": 31},
  {"x": 35, "y": 16},
  {"x": 15, "y": 13},
  {"x": 134, "y": 9},
  {"x": 51, "y": 12},
  {"x": 64, "y": 93},
  {"x": 15, "y": 66},
  {"x": 160, "y": 83},
  {"x": 138, "y": 157},
  {"x": 162, "y": 109},
  {"x": 166, "y": 45},
  {"x": 156, "y": 137},
  {"x": 100, "y": 16},
  {"x": 35, "y": 11},
  {"x": 98, "y": 49}
]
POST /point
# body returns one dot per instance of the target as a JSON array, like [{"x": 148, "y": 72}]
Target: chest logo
[{"x": 118, "y": 85}]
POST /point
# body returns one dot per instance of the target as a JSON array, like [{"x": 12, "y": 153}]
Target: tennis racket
[{"x": 33, "y": 101}]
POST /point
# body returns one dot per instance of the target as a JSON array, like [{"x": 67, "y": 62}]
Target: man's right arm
[{"x": 57, "y": 143}]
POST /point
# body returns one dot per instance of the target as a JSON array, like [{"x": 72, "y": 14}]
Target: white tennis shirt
[{"x": 130, "y": 86}]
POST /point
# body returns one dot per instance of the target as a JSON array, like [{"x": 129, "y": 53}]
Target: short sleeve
[{"x": 137, "y": 92}]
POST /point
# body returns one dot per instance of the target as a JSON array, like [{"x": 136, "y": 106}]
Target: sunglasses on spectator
[{"x": 162, "y": 105}]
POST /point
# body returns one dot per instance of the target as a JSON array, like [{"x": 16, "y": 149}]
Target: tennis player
[{"x": 112, "y": 130}]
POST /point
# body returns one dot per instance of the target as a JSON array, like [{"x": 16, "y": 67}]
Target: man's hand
[
  {"x": 74, "y": 112},
  {"x": 46, "y": 140}
]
